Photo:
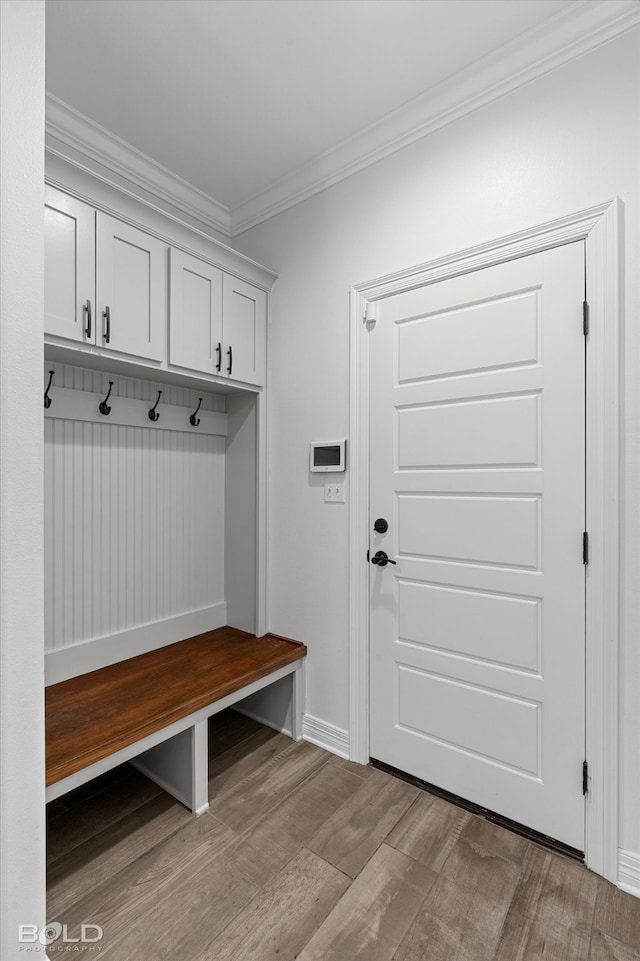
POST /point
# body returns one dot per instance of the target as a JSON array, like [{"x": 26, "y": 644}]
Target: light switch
[{"x": 334, "y": 493}]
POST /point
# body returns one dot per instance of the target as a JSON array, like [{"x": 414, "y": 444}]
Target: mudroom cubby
[
  {"x": 153, "y": 573},
  {"x": 155, "y": 492}
]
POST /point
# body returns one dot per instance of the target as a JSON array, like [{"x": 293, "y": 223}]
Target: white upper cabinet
[
  {"x": 195, "y": 311},
  {"x": 108, "y": 286},
  {"x": 104, "y": 280},
  {"x": 217, "y": 324},
  {"x": 130, "y": 277},
  {"x": 69, "y": 267},
  {"x": 244, "y": 328}
]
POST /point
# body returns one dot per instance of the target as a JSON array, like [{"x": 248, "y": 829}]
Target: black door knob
[
  {"x": 381, "y": 558},
  {"x": 381, "y": 526}
]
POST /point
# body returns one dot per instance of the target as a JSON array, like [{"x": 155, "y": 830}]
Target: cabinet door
[
  {"x": 131, "y": 298},
  {"x": 69, "y": 267},
  {"x": 195, "y": 314},
  {"x": 244, "y": 326}
]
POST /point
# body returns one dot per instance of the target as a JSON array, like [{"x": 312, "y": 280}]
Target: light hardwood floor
[{"x": 304, "y": 855}]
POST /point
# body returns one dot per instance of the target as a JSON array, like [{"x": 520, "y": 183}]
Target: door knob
[
  {"x": 381, "y": 558},
  {"x": 381, "y": 526}
]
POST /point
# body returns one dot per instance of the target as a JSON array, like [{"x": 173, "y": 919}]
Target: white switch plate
[{"x": 333, "y": 493}]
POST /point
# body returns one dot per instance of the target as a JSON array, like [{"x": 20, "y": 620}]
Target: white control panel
[{"x": 328, "y": 457}]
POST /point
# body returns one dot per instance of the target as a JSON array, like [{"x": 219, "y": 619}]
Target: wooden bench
[{"x": 153, "y": 709}]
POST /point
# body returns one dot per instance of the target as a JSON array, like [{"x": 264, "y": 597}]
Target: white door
[
  {"x": 195, "y": 314},
  {"x": 244, "y": 321},
  {"x": 69, "y": 267},
  {"x": 131, "y": 296},
  {"x": 478, "y": 466}
]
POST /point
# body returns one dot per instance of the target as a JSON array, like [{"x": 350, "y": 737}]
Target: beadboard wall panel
[{"x": 134, "y": 519}]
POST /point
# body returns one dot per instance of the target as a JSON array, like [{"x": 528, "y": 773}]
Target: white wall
[
  {"x": 560, "y": 144},
  {"x": 22, "y": 856}
]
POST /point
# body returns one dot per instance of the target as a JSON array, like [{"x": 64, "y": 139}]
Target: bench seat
[{"x": 154, "y": 707}]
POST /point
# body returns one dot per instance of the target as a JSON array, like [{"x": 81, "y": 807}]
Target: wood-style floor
[{"x": 304, "y": 855}]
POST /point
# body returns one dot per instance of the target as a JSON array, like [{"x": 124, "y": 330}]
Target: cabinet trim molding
[
  {"x": 103, "y": 193},
  {"x": 75, "y": 130}
]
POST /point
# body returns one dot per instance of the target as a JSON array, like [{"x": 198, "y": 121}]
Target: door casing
[{"x": 599, "y": 227}]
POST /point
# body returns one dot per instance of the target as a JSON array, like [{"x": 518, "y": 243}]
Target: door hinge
[
  {"x": 585, "y": 547},
  {"x": 368, "y": 555},
  {"x": 585, "y": 777},
  {"x": 585, "y": 318}
]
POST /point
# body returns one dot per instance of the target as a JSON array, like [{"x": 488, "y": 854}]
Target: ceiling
[{"x": 235, "y": 97}]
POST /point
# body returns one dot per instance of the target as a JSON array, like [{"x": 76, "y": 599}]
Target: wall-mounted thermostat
[{"x": 329, "y": 457}]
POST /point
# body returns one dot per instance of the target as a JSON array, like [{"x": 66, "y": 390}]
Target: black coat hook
[
  {"x": 47, "y": 399},
  {"x": 193, "y": 420},
  {"x": 153, "y": 413},
  {"x": 104, "y": 407}
]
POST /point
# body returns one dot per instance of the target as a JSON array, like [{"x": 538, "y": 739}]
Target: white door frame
[{"x": 599, "y": 228}]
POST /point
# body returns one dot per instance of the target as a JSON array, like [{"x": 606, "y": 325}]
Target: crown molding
[
  {"x": 74, "y": 133},
  {"x": 578, "y": 30}
]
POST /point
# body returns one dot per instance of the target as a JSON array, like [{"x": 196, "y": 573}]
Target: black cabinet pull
[
  {"x": 219, "y": 360},
  {"x": 107, "y": 330},
  {"x": 230, "y": 354},
  {"x": 87, "y": 312}
]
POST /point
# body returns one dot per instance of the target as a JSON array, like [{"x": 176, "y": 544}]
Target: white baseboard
[
  {"x": 629, "y": 872},
  {"x": 66, "y": 662},
  {"x": 328, "y": 736}
]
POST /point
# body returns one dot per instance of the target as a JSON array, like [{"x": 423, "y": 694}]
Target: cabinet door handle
[
  {"x": 219, "y": 360},
  {"x": 107, "y": 327},
  {"x": 87, "y": 313},
  {"x": 230, "y": 355}
]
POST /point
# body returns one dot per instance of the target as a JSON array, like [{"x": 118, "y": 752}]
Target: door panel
[
  {"x": 507, "y": 736},
  {"x": 486, "y": 529},
  {"x": 494, "y": 628},
  {"x": 495, "y": 432},
  {"x": 497, "y": 333},
  {"x": 477, "y": 635}
]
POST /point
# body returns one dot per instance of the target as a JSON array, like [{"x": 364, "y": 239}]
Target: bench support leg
[
  {"x": 297, "y": 701},
  {"x": 180, "y": 765}
]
